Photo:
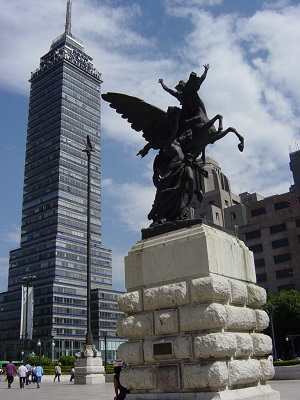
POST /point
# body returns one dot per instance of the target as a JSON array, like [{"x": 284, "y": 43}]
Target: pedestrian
[
  {"x": 72, "y": 374},
  {"x": 10, "y": 372},
  {"x": 28, "y": 375},
  {"x": 120, "y": 390},
  {"x": 57, "y": 372},
  {"x": 22, "y": 372},
  {"x": 38, "y": 371},
  {"x": 33, "y": 376}
]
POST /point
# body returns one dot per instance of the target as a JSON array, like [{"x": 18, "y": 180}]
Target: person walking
[
  {"x": 72, "y": 374},
  {"x": 10, "y": 372},
  {"x": 120, "y": 391},
  {"x": 57, "y": 373},
  {"x": 28, "y": 375},
  {"x": 38, "y": 370},
  {"x": 22, "y": 372}
]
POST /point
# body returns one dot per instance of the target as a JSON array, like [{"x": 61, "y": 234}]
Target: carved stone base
[
  {"x": 194, "y": 319},
  {"x": 264, "y": 392},
  {"x": 89, "y": 368}
]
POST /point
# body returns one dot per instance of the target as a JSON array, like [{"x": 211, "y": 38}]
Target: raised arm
[
  {"x": 203, "y": 76},
  {"x": 165, "y": 87}
]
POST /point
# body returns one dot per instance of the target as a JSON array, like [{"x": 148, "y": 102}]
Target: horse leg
[
  {"x": 220, "y": 135},
  {"x": 239, "y": 136}
]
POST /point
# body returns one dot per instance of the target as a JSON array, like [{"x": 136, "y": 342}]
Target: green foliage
[
  {"x": 67, "y": 360},
  {"x": 34, "y": 360},
  {"x": 286, "y": 363},
  {"x": 285, "y": 310},
  {"x": 109, "y": 368},
  {"x": 50, "y": 370}
]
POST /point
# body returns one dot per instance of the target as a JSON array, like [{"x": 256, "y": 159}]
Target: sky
[{"x": 253, "y": 50}]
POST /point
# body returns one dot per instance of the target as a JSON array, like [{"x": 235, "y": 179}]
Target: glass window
[
  {"x": 258, "y": 211},
  {"x": 277, "y": 228},
  {"x": 281, "y": 205},
  {"x": 260, "y": 262},
  {"x": 256, "y": 248},
  {"x": 280, "y": 258},
  {"x": 261, "y": 278},
  {"x": 280, "y": 243},
  {"x": 284, "y": 273},
  {"x": 252, "y": 234},
  {"x": 286, "y": 287}
]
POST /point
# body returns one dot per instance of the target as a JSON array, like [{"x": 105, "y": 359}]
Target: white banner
[{"x": 26, "y": 325}]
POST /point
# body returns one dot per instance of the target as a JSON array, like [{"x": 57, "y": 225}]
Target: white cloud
[{"x": 131, "y": 202}]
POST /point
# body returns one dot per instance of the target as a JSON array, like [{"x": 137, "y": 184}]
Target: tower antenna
[{"x": 68, "y": 18}]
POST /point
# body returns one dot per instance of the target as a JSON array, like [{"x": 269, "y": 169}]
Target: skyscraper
[{"x": 64, "y": 108}]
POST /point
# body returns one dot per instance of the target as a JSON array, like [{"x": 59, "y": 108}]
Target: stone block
[
  {"x": 244, "y": 371},
  {"x": 182, "y": 347},
  {"x": 262, "y": 320},
  {"x": 239, "y": 292},
  {"x": 209, "y": 289},
  {"x": 139, "y": 378},
  {"x": 262, "y": 344},
  {"x": 257, "y": 296},
  {"x": 168, "y": 376},
  {"x": 196, "y": 251},
  {"x": 138, "y": 326},
  {"x": 165, "y": 322},
  {"x": 131, "y": 352},
  {"x": 240, "y": 318},
  {"x": 130, "y": 302},
  {"x": 205, "y": 375},
  {"x": 215, "y": 345},
  {"x": 166, "y": 296},
  {"x": 244, "y": 344},
  {"x": 161, "y": 345},
  {"x": 268, "y": 370},
  {"x": 200, "y": 317}
]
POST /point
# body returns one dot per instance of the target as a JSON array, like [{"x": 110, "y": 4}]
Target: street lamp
[
  {"x": 22, "y": 354},
  {"x": 39, "y": 344},
  {"x": 53, "y": 345},
  {"x": 292, "y": 337},
  {"x": 270, "y": 309},
  {"x": 88, "y": 150}
]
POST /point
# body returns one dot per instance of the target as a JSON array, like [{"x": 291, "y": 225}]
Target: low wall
[{"x": 287, "y": 372}]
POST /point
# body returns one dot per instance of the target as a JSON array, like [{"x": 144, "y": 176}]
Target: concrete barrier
[{"x": 287, "y": 372}]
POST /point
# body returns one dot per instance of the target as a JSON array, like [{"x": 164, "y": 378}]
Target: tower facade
[{"x": 64, "y": 108}]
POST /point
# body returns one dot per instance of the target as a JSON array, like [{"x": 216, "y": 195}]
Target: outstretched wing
[{"x": 142, "y": 116}]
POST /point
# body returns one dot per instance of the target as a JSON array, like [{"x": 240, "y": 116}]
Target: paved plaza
[{"x": 289, "y": 390}]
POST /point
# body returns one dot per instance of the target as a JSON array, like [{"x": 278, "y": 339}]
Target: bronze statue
[{"x": 180, "y": 135}]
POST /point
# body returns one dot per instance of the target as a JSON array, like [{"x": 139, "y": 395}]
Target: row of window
[
  {"x": 262, "y": 210},
  {"x": 281, "y": 274}
]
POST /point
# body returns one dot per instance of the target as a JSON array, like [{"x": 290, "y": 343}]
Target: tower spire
[{"x": 68, "y": 18}]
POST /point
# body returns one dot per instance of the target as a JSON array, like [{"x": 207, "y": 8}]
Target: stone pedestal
[
  {"x": 194, "y": 320},
  {"x": 89, "y": 369}
]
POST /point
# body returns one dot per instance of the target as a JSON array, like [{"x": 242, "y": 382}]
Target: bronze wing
[{"x": 142, "y": 116}]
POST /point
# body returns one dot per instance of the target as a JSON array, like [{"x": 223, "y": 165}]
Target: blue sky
[{"x": 252, "y": 47}]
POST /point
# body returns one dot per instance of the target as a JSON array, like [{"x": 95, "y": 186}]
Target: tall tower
[{"x": 64, "y": 108}]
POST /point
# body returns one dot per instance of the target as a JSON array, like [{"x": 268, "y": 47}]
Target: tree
[{"x": 286, "y": 320}]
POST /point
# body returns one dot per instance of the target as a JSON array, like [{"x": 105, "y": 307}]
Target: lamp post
[
  {"x": 53, "y": 345},
  {"x": 291, "y": 338},
  {"x": 270, "y": 309},
  {"x": 88, "y": 150},
  {"x": 26, "y": 281},
  {"x": 22, "y": 355},
  {"x": 39, "y": 344}
]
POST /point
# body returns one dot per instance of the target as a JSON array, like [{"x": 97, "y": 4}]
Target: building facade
[
  {"x": 270, "y": 226},
  {"x": 64, "y": 108}
]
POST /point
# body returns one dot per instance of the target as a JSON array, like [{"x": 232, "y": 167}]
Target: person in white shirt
[{"x": 22, "y": 372}]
